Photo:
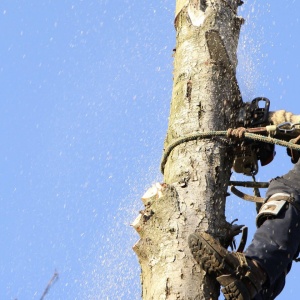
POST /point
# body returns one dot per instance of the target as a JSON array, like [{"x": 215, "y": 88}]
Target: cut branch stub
[
  {"x": 153, "y": 193},
  {"x": 153, "y": 223}
]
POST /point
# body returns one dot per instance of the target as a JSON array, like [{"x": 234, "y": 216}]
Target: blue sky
[{"x": 85, "y": 94}]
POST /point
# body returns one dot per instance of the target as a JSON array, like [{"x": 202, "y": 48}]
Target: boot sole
[
  {"x": 235, "y": 291},
  {"x": 209, "y": 254}
]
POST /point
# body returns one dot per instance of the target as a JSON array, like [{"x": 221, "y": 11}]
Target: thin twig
[{"x": 49, "y": 285}]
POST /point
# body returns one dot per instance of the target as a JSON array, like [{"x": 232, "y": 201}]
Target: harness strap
[
  {"x": 289, "y": 198},
  {"x": 243, "y": 240},
  {"x": 246, "y": 197}
]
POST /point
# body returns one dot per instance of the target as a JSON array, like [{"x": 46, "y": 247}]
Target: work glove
[{"x": 294, "y": 154}]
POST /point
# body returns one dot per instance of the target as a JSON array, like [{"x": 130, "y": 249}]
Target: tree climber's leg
[
  {"x": 240, "y": 277},
  {"x": 272, "y": 291},
  {"x": 261, "y": 270},
  {"x": 275, "y": 245}
]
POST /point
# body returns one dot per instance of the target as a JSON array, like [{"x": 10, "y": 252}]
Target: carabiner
[{"x": 285, "y": 130}]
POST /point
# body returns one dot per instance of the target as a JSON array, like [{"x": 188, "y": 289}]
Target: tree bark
[{"x": 196, "y": 173}]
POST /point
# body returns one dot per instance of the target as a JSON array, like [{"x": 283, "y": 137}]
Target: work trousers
[{"x": 274, "y": 246}]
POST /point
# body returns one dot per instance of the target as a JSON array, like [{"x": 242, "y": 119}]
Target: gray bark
[{"x": 196, "y": 174}]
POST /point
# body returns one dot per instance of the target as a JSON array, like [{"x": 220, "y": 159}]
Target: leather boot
[{"x": 241, "y": 277}]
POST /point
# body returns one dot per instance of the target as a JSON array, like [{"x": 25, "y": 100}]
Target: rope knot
[{"x": 237, "y": 133}]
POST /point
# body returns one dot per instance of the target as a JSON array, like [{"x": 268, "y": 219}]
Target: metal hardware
[
  {"x": 255, "y": 112},
  {"x": 286, "y": 127}
]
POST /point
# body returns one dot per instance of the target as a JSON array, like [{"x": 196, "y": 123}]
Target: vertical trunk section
[{"x": 196, "y": 174}]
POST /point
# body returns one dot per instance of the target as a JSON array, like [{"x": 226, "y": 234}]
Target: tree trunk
[{"x": 196, "y": 174}]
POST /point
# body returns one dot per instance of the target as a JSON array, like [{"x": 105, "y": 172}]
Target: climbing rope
[{"x": 210, "y": 134}]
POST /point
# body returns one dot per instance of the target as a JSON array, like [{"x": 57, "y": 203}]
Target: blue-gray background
[{"x": 84, "y": 104}]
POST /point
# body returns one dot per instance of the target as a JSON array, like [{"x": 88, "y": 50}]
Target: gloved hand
[{"x": 294, "y": 154}]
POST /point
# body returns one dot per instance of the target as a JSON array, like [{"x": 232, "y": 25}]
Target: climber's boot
[{"x": 241, "y": 277}]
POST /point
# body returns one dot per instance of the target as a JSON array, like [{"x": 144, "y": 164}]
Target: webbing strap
[
  {"x": 290, "y": 199},
  {"x": 246, "y": 197},
  {"x": 243, "y": 240}
]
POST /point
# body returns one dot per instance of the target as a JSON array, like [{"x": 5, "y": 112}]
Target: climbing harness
[
  {"x": 246, "y": 197},
  {"x": 255, "y": 185}
]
